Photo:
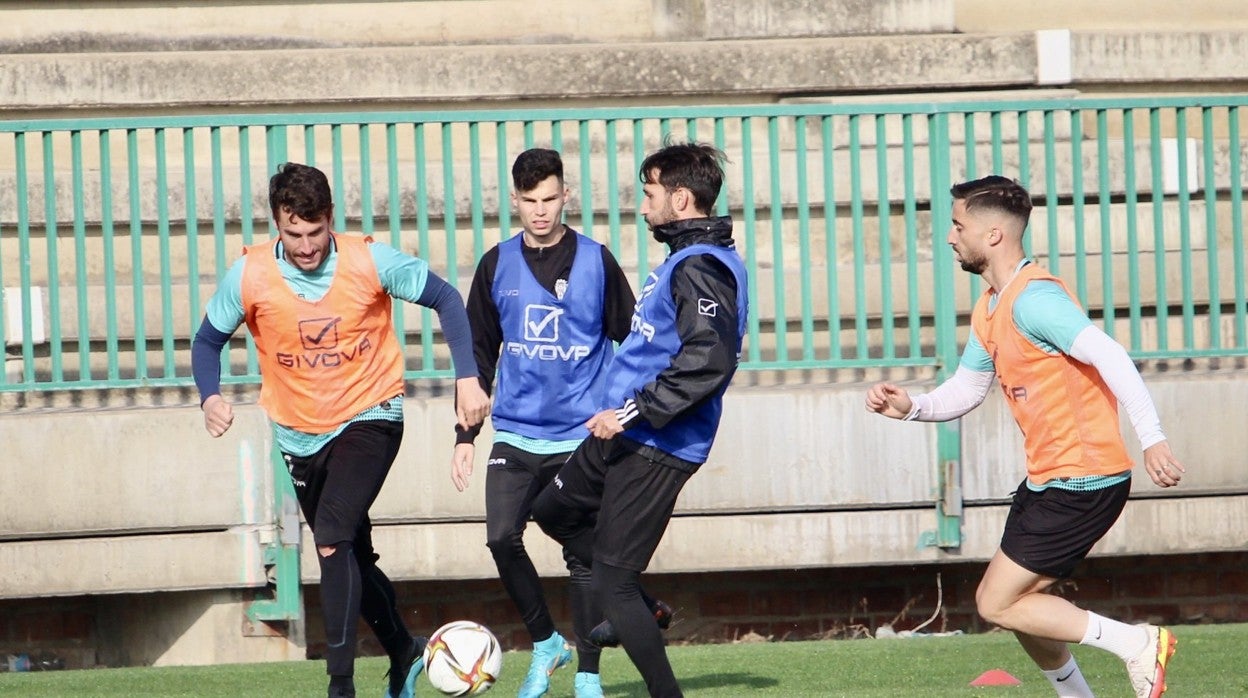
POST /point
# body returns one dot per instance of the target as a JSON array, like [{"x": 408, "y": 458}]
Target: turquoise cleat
[
  {"x": 587, "y": 685},
  {"x": 407, "y": 672},
  {"x": 548, "y": 655}
]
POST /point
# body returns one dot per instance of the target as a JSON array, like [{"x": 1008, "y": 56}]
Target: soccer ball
[{"x": 463, "y": 658}]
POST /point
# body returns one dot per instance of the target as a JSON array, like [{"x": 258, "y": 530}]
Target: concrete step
[
  {"x": 687, "y": 70},
  {"x": 97, "y": 26}
]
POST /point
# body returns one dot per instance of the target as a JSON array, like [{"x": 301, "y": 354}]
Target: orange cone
[{"x": 995, "y": 677}]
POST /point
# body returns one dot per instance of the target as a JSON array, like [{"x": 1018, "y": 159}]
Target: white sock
[
  {"x": 1124, "y": 640},
  {"x": 1068, "y": 681}
]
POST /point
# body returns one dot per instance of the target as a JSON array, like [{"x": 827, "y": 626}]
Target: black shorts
[
  {"x": 1049, "y": 532},
  {"x": 337, "y": 484},
  {"x": 633, "y": 495},
  {"x": 513, "y": 479}
]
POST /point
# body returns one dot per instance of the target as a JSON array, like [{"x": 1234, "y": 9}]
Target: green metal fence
[{"x": 114, "y": 231}]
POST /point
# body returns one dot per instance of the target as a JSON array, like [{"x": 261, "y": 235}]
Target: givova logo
[
  {"x": 541, "y": 323},
  {"x": 541, "y": 337},
  {"x": 319, "y": 339}
]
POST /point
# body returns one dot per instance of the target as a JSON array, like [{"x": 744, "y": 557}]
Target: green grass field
[{"x": 1211, "y": 661}]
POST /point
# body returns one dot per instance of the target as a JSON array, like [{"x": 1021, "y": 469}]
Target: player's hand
[
  {"x": 461, "y": 465},
  {"x": 604, "y": 425},
  {"x": 218, "y": 415},
  {"x": 889, "y": 400},
  {"x": 1162, "y": 466},
  {"x": 472, "y": 405}
]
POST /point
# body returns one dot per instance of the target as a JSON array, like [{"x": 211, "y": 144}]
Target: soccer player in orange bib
[
  {"x": 1064, "y": 379},
  {"x": 318, "y": 305}
]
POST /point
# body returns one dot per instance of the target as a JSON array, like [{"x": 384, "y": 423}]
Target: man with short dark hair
[
  {"x": 545, "y": 306},
  {"x": 612, "y": 501},
  {"x": 1063, "y": 379},
  {"x": 318, "y": 304}
]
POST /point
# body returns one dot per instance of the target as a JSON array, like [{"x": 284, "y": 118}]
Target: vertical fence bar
[
  {"x": 910, "y": 203},
  {"x": 450, "y": 213},
  {"x": 80, "y": 258},
  {"x": 1211, "y": 230},
  {"x": 639, "y": 221},
  {"x": 613, "y": 192},
  {"x": 1077, "y": 203},
  {"x": 55, "y": 343},
  {"x": 477, "y": 208},
  {"x": 803, "y": 240},
  {"x": 166, "y": 274},
  {"x": 1237, "y": 228},
  {"x": 275, "y": 140},
  {"x": 366, "y": 179},
  {"x": 394, "y": 212},
  {"x": 394, "y": 201},
  {"x": 218, "y": 223},
  {"x": 972, "y": 172},
  {"x": 1051, "y": 197},
  {"x": 504, "y": 181},
  {"x": 556, "y": 137},
  {"x": 22, "y": 194},
  {"x": 1104, "y": 204},
  {"x": 775, "y": 210},
  {"x": 968, "y": 145},
  {"x": 339, "y": 178},
  {"x": 1159, "y": 228},
  {"x": 586, "y": 185},
  {"x": 859, "y": 237},
  {"x": 1024, "y": 166},
  {"x": 108, "y": 239},
  {"x": 748, "y": 218},
  {"x": 246, "y": 224},
  {"x": 136, "y": 254},
  {"x": 883, "y": 210},
  {"x": 830, "y": 239},
  {"x": 721, "y": 140},
  {"x": 192, "y": 228},
  {"x": 422, "y": 236},
  {"x": 1134, "y": 311},
  {"x": 1185, "y": 230},
  {"x": 309, "y": 145},
  {"x": 998, "y": 152}
]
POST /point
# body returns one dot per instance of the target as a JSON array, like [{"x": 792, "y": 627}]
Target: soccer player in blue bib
[
  {"x": 611, "y": 502},
  {"x": 544, "y": 307}
]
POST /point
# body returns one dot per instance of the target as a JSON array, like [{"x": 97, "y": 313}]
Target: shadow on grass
[{"x": 746, "y": 682}]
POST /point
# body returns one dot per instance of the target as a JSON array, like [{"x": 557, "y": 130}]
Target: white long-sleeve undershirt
[{"x": 966, "y": 389}]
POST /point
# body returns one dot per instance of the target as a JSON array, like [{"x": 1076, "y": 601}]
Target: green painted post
[
  {"x": 282, "y": 555},
  {"x": 948, "y": 532}
]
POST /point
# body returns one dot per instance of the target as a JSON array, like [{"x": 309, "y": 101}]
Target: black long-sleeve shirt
[{"x": 710, "y": 343}]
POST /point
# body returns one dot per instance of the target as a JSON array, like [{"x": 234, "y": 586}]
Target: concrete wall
[{"x": 863, "y": 486}]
